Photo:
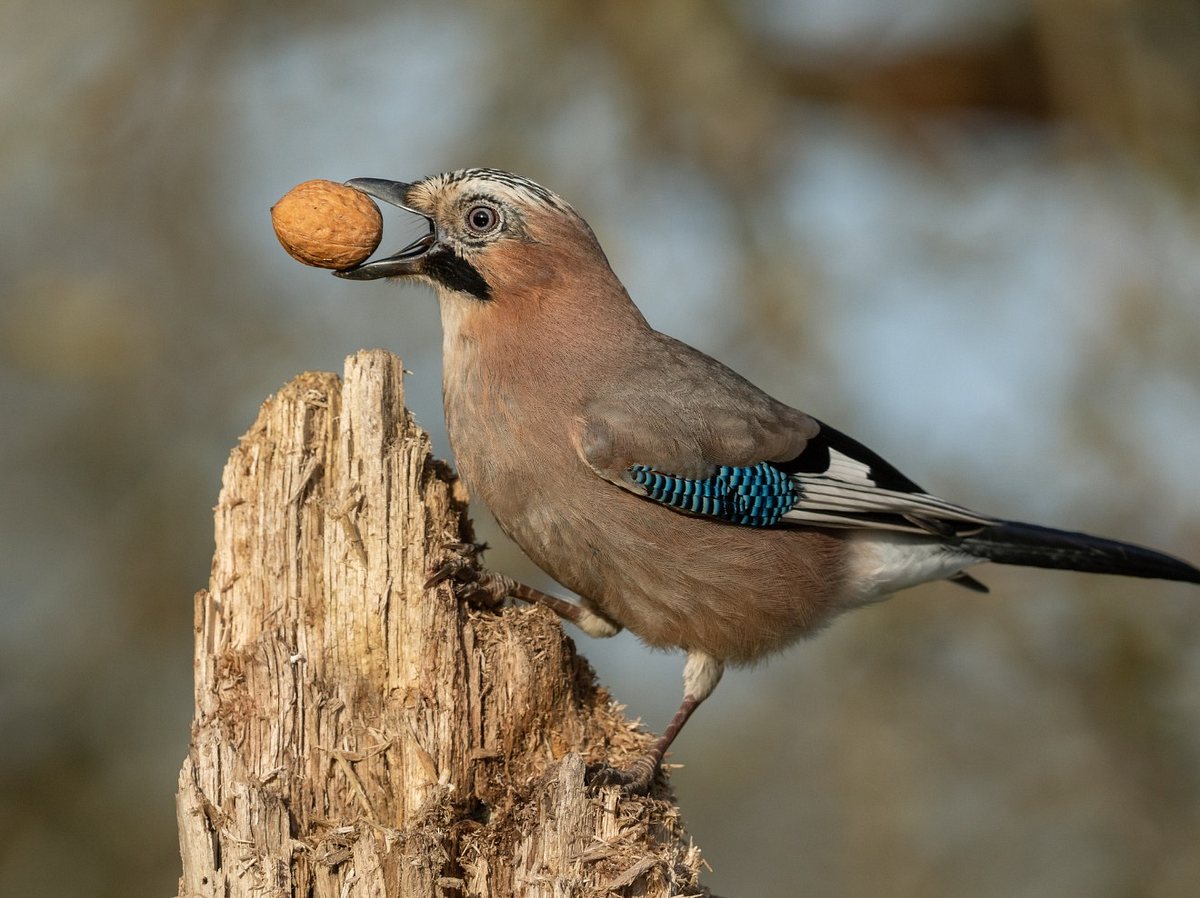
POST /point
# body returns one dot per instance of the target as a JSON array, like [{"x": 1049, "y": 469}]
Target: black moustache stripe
[{"x": 456, "y": 273}]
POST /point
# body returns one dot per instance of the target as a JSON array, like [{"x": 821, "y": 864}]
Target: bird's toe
[
  {"x": 460, "y": 568},
  {"x": 636, "y": 779}
]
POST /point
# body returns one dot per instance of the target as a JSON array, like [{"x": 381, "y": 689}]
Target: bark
[{"x": 356, "y": 734}]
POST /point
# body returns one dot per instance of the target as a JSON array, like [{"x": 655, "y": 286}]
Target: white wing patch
[
  {"x": 846, "y": 495},
  {"x": 851, "y": 470}
]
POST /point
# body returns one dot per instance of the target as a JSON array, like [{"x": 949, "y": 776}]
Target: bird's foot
[
  {"x": 481, "y": 588},
  {"x": 487, "y": 589},
  {"x": 636, "y": 779}
]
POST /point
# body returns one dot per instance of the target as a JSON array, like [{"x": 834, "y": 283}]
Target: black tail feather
[{"x": 1033, "y": 546}]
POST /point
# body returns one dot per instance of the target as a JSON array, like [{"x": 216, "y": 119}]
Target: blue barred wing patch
[{"x": 755, "y": 496}]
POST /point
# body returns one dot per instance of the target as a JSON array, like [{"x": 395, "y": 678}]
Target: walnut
[{"x": 327, "y": 224}]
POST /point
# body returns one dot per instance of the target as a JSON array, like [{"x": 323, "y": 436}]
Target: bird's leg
[
  {"x": 489, "y": 589},
  {"x": 701, "y": 674}
]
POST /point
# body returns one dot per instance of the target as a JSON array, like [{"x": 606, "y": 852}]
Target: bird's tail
[{"x": 1027, "y": 544}]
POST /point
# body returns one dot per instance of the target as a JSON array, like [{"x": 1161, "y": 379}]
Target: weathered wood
[{"x": 356, "y": 734}]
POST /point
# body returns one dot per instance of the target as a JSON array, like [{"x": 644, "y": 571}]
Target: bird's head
[{"x": 491, "y": 235}]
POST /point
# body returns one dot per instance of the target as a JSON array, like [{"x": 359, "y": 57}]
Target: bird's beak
[{"x": 407, "y": 260}]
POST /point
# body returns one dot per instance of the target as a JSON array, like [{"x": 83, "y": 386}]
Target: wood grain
[{"x": 356, "y": 734}]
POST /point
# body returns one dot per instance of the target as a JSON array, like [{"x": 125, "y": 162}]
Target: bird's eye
[{"x": 482, "y": 219}]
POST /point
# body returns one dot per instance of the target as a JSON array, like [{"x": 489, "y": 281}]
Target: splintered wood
[{"x": 356, "y": 734}]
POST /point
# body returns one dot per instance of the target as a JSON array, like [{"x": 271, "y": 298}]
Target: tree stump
[{"x": 357, "y": 734}]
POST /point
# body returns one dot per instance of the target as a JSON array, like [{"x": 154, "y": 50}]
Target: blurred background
[{"x": 966, "y": 232}]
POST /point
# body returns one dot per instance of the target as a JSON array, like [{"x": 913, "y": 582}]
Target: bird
[{"x": 672, "y": 496}]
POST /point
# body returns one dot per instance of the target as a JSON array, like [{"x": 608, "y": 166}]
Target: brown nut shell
[{"x": 328, "y": 225}]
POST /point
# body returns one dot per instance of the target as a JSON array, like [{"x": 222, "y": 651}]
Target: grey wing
[
  {"x": 690, "y": 433},
  {"x": 683, "y": 412}
]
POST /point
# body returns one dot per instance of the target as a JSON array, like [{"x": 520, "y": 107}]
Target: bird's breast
[{"x": 509, "y": 430}]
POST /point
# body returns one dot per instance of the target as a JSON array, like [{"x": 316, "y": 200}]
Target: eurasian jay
[{"x": 670, "y": 494}]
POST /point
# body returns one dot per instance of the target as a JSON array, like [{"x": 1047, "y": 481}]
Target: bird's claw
[
  {"x": 459, "y": 564},
  {"x": 472, "y": 584},
  {"x": 636, "y": 779},
  {"x": 456, "y": 569}
]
